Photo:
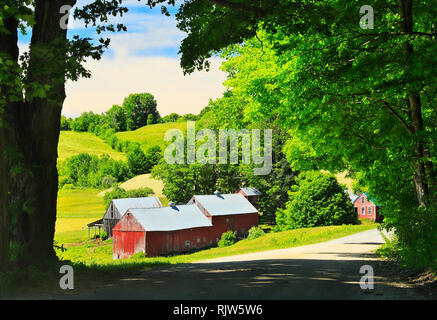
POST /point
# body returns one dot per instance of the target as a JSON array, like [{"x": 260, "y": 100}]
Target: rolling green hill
[
  {"x": 151, "y": 135},
  {"x": 72, "y": 143}
]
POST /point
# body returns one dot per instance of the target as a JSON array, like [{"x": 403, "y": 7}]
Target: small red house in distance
[
  {"x": 367, "y": 208},
  {"x": 250, "y": 194}
]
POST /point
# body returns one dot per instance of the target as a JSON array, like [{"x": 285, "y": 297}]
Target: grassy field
[
  {"x": 151, "y": 135},
  {"x": 72, "y": 143},
  {"x": 99, "y": 253},
  {"x": 77, "y": 208},
  {"x": 141, "y": 181}
]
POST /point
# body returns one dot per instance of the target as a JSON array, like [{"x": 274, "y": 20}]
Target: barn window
[
  {"x": 363, "y": 210},
  {"x": 187, "y": 243},
  {"x": 363, "y": 200},
  {"x": 227, "y": 219},
  {"x": 198, "y": 240},
  {"x": 369, "y": 211}
]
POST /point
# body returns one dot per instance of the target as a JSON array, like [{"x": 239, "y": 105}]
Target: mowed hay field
[
  {"x": 77, "y": 208},
  {"x": 72, "y": 143},
  {"x": 151, "y": 135},
  {"x": 142, "y": 181}
]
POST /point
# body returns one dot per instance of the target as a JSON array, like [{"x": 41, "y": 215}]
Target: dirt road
[{"x": 329, "y": 270}]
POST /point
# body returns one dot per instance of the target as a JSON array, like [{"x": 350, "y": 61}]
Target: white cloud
[
  {"x": 113, "y": 79},
  {"x": 129, "y": 71}
]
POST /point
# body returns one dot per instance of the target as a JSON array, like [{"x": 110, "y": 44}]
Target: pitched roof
[
  {"x": 251, "y": 191},
  {"x": 146, "y": 202},
  {"x": 171, "y": 218},
  {"x": 225, "y": 204},
  {"x": 368, "y": 198}
]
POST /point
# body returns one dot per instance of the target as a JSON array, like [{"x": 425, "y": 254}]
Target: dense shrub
[
  {"x": 140, "y": 162},
  {"x": 86, "y": 170},
  {"x": 317, "y": 200},
  {"x": 228, "y": 238},
  {"x": 255, "y": 232},
  {"x": 65, "y": 123},
  {"x": 172, "y": 117}
]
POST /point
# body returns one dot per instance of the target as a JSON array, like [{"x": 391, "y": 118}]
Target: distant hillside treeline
[{"x": 138, "y": 110}]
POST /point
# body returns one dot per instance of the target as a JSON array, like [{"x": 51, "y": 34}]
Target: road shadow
[{"x": 260, "y": 279}]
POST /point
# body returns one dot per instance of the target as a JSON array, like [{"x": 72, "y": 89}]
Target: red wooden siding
[
  {"x": 128, "y": 238},
  {"x": 164, "y": 242},
  {"x": 362, "y": 209},
  {"x": 239, "y": 223}
]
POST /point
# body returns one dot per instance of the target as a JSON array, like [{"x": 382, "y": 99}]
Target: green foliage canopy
[{"x": 316, "y": 200}]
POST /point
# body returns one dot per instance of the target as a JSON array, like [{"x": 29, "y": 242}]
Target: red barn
[
  {"x": 156, "y": 231},
  {"x": 250, "y": 194},
  {"x": 118, "y": 207},
  {"x": 198, "y": 224},
  {"x": 367, "y": 208},
  {"x": 227, "y": 212}
]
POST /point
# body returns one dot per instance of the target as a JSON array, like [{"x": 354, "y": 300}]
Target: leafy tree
[
  {"x": 138, "y": 107},
  {"x": 153, "y": 156},
  {"x": 87, "y": 121},
  {"x": 65, "y": 124},
  {"x": 317, "y": 200},
  {"x": 150, "y": 119},
  {"x": 117, "y": 118},
  {"x": 360, "y": 100},
  {"x": 137, "y": 160},
  {"x": 172, "y": 117}
]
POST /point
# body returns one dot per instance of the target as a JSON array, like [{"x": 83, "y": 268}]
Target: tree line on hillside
[
  {"x": 137, "y": 110},
  {"x": 85, "y": 170}
]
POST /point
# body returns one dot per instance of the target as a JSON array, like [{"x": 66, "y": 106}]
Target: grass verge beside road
[{"x": 98, "y": 254}]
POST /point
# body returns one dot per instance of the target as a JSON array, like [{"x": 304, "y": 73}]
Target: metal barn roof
[
  {"x": 251, "y": 191},
  {"x": 171, "y": 218},
  {"x": 147, "y": 202},
  {"x": 226, "y": 204}
]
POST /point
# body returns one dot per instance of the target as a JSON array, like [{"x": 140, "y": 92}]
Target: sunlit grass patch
[
  {"x": 72, "y": 143},
  {"x": 151, "y": 135}
]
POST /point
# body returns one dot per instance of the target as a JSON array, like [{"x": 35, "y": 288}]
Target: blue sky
[{"x": 143, "y": 59}]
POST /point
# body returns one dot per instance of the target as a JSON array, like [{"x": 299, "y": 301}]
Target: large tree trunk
[
  {"x": 9, "y": 51},
  {"x": 32, "y": 139},
  {"x": 423, "y": 175}
]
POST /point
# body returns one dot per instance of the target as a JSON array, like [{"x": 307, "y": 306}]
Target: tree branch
[{"x": 397, "y": 116}]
